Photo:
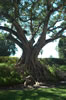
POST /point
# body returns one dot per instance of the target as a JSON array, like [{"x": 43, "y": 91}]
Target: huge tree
[
  {"x": 62, "y": 48},
  {"x": 7, "y": 47},
  {"x": 30, "y": 20}
]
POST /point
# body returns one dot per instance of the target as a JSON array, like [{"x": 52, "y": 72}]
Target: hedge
[
  {"x": 55, "y": 61},
  {"x": 7, "y": 59},
  {"x": 9, "y": 76}
]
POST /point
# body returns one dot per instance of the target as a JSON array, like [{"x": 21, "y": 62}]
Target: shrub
[
  {"x": 8, "y": 76},
  {"x": 53, "y": 61},
  {"x": 8, "y": 61},
  {"x": 63, "y": 67}
]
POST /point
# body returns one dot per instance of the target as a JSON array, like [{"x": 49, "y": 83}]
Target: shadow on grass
[{"x": 34, "y": 94}]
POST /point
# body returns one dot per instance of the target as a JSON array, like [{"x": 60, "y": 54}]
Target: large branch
[
  {"x": 9, "y": 30},
  {"x": 54, "y": 28},
  {"x": 42, "y": 40},
  {"x": 46, "y": 22},
  {"x": 52, "y": 10},
  {"x": 48, "y": 4},
  {"x": 57, "y": 35},
  {"x": 32, "y": 39},
  {"x": 10, "y": 37},
  {"x": 20, "y": 31}
]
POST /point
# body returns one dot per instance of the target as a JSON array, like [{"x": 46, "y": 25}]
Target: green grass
[{"x": 34, "y": 94}]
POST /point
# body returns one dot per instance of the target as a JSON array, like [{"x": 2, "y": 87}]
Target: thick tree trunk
[{"x": 29, "y": 63}]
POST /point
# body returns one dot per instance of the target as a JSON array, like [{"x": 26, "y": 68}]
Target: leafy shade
[{"x": 7, "y": 47}]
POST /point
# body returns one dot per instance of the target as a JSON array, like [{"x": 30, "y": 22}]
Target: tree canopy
[
  {"x": 7, "y": 47},
  {"x": 37, "y": 18}
]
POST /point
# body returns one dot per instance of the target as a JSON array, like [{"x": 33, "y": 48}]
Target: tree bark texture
[{"x": 29, "y": 63}]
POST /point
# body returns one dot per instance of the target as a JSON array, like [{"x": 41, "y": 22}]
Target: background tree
[
  {"x": 62, "y": 48},
  {"x": 7, "y": 47},
  {"x": 33, "y": 19}
]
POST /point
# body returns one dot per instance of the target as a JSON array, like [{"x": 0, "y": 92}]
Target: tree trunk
[{"x": 29, "y": 63}]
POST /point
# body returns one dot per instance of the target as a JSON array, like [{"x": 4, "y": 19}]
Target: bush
[
  {"x": 8, "y": 61},
  {"x": 62, "y": 68},
  {"x": 3, "y": 64},
  {"x": 8, "y": 76},
  {"x": 53, "y": 61}
]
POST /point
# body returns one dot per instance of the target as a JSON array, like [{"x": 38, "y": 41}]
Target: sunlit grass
[{"x": 34, "y": 94}]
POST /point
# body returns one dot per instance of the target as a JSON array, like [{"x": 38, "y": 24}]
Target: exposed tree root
[{"x": 39, "y": 72}]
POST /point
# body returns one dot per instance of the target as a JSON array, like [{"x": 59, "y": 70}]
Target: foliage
[
  {"x": 62, "y": 48},
  {"x": 7, "y": 47},
  {"x": 3, "y": 64},
  {"x": 8, "y": 61},
  {"x": 54, "y": 64},
  {"x": 8, "y": 76},
  {"x": 53, "y": 61},
  {"x": 34, "y": 18},
  {"x": 62, "y": 67},
  {"x": 35, "y": 94}
]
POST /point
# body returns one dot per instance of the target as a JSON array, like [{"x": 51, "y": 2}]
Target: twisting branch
[
  {"x": 15, "y": 23},
  {"x": 9, "y": 30},
  {"x": 32, "y": 40},
  {"x": 31, "y": 26},
  {"x": 23, "y": 19},
  {"x": 56, "y": 36},
  {"x": 53, "y": 24},
  {"x": 48, "y": 4},
  {"x": 52, "y": 10},
  {"x": 40, "y": 23},
  {"x": 10, "y": 37},
  {"x": 20, "y": 44},
  {"x": 51, "y": 29},
  {"x": 19, "y": 30},
  {"x": 42, "y": 40}
]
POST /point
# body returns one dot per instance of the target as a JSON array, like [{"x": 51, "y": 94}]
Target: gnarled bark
[{"x": 29, "y": 63}]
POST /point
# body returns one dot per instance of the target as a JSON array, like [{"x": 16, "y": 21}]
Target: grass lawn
[{"x": 34, "y": 94}]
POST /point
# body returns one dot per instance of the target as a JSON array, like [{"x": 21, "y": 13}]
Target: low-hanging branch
[
  {"x": 9, "y": 30},
  {"x": 10, "y": 37},
  {"x": 12, "y": 32},
  {"x": 19, "y": 30}
]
